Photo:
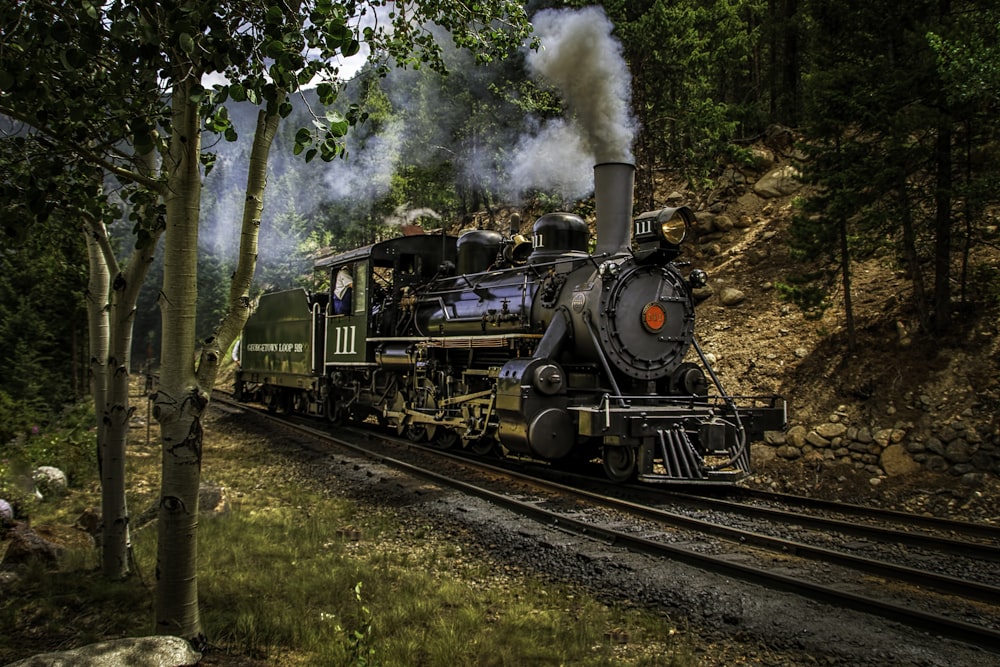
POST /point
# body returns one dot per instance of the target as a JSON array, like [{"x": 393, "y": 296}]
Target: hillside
[{"x": 900, "y": 420}]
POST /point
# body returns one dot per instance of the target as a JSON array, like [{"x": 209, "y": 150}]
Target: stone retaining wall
[{"x": 958, "y": 446}]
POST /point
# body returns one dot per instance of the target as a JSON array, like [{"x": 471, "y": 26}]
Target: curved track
[{"x": 964, "y": 608}]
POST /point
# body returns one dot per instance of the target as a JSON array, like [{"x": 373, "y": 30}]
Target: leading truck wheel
[{"x": 619, "y": 463}]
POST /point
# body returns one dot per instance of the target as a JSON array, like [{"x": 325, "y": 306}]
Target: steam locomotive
[{"x": 497, "y": 344}]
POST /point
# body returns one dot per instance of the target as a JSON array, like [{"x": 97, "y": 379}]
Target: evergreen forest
[{"x": 893, "y": 105}]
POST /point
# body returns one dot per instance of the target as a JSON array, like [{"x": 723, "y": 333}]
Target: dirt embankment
[{"x": 901, "y": 419}]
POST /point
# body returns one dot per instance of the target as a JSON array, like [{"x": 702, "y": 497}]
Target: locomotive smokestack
[{"x": 613, "y": 190}]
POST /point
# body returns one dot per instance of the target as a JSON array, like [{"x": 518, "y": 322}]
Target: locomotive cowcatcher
[{"x": 497, "y": 344}]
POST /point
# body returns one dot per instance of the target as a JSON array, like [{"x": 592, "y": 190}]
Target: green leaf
[
  {"x": 337, "y": 125},
  {"x": 274, "y": 15},
  {"x": 186, "y": 42},
  {"x": 326, "y": 93},
  {"x": 197, "y": 93},
  {"x": 274, "y": 48}
]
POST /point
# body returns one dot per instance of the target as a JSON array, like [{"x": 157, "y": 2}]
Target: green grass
[{"x": 294, "y": 575}]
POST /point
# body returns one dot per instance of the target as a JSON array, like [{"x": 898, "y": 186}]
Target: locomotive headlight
[
  {"x": 673, "y": 230},
  {"x": 667, "y": 227}
]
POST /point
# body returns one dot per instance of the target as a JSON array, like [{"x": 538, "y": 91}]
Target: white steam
[
  {"x": 582, "y": 59},
  {"x": 552, "y": 158},
  {"x": 372, "y": 159}
]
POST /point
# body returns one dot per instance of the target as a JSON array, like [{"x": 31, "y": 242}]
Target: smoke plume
[{"x": 579, "y": 57}]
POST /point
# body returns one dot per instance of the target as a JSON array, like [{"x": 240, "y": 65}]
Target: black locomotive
[{"x": 495, "y": 344}]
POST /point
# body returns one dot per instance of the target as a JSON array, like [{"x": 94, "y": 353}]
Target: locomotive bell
[{"x": 517, "y": 251}]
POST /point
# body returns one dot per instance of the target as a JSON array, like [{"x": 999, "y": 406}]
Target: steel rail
[
  {"x": 942, "y": 625},
  {"x": 947, "y": 544},
  {"x": 969, "y": 528}
]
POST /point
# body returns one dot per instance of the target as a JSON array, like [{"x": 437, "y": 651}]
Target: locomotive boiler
[{"x": 497, "y": 344}]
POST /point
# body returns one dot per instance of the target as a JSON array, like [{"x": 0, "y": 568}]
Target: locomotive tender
[{"x": 540, "y": 349}]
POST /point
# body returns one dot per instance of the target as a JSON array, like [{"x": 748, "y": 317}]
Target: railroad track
[{"x": 964, "y": 608}]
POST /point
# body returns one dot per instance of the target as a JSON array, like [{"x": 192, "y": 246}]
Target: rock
[
  {"x": 212, "y": 500},
  {"x": 982, "y": 461},
  {"x": 947, "y": 433},
  {"x": 49, "y": 481},
  {"x": 816, "y": 440},
  {"x": 702, "y": 293},
  {"x": 704, "y": 223},
  {"x": 789, "y": 452},
  {"x": 762, "y": 453},
  {"x": 936, "y": 446},
  {"x": 831, "y": 430},
  {"x": 775, "y": 438},
  {"x": 813, "y": 457},
  {"x": 730, "y": 296},
  {"x": 958, "y": 451},
  {"x": 724, "y": 223},
  {"x": 134, "y": 652},
  {"x": 796, "y": 436},
  {"x": 896, "y": 461},
  {"x": 936, "y": 463},
  {"x": 6, "y": 514},
  {"x": 26, "y": 546},
  {"x": 779, "y": 182},
  {"x": 974, "y": 478},
  {"x": 883, "y": 436}
]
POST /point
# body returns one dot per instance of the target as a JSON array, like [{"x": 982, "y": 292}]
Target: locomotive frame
[{"x": 547, "y": 350}]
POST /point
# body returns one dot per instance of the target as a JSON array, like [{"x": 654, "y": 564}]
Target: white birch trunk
[
  {"x": 99, "y": 337},
  {"x": 180, "y": 401},
  {"x": 184, "y": 390},
  {"x": 111, "y": 314}
]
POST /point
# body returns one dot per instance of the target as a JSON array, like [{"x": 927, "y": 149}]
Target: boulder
[
  {"x": 779, "y": 182},
  {"x": 26, "y": 546},
  {"x": 160, "y": 651},
  {"x": 830, "y": 430},
  {"x": 49, "y": 481},
  {"x": 6, "y": 514},
  {"x": 958, "y": 451},
  {"x": 730, "y": 296},
  {"x": 896, "y": 461},
  {"x": 796, "y": 436}
]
